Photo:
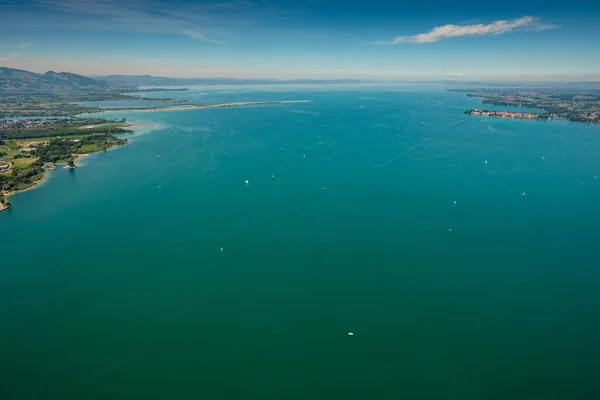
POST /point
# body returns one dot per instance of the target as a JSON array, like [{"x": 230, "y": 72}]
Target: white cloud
[
  {"x": 24, "y": 45},
  {"x": 453, "y": 74},
  {"x": 494, "y": 28}
]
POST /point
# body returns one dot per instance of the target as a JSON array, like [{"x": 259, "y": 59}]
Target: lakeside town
[
  {"x": 582, "y": 105},
  {"x": 506, "y": 114}
]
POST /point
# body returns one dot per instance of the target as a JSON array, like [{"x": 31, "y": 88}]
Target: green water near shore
[{"x": 113, "y": 284}]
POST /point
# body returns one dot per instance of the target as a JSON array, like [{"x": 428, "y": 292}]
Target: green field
[
  {"x": 88, "y": 148},
  {"x": 28, "y": 162},
  {"x": 23, "y": 162}
]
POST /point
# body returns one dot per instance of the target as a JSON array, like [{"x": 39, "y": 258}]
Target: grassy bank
[{"x": 28, "y": 160}]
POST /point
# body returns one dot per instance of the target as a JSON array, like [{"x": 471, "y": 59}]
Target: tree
[{"x": 71, "y": 163}]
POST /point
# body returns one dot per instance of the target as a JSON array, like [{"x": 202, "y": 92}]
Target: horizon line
[{"x": 434, "y": 78}]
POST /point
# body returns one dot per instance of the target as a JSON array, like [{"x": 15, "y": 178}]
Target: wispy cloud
[
  {"x": 194, "y": 34},
  {"x": 17, "y": 50},
  {"x": 527, "y": 23},
  {"x": 208, "y": 21},
  {"x": 138, "y": 15}
]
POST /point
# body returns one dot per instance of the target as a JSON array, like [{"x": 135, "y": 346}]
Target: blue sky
[{"x": 423, "y": 40}]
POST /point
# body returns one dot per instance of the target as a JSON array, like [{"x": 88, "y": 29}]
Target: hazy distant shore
[{"x": 193, "y": 107}]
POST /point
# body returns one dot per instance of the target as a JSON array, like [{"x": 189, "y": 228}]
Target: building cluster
[
  {"x": 503, "y": 114},
  {"x": 582, "y": 106},
  {"x": 31, "y": 145},
  {"x": 26, "y": 124},
  {"x": 592, "y": 116}
]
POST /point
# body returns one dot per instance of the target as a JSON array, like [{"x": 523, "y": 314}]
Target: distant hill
[
  {"x": 138, "y": 80},
  {"x": 15, "y": 81},
  {"x": 149, "y": 80}
]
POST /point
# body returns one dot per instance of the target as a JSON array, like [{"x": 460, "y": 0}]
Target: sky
[{"x": 375, "y": 39}]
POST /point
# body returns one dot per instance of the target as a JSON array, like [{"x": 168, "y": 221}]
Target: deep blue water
[{"x": 113, "y": 283}]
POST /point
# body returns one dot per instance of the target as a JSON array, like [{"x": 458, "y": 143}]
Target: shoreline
[
  {"x": 202, "y": 106},
  {"x": 75, "y": 158},
  {"x": 145, "y": 129},
  {"x": 541, "y": 104},
  {"x": 46, "y": 175},
  {"x": 34, "y": 185},
  {"x": 507, "y": 114}
]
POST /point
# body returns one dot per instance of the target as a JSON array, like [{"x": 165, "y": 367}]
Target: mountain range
[
  {"x": 17, "y": 81},
  {"x": 149, "y": 80}
]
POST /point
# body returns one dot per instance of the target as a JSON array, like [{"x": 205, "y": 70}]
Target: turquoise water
[{"x": 113, "y": 284}]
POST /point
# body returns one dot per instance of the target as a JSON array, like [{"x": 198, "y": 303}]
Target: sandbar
[{"x": 199, "y": 106}]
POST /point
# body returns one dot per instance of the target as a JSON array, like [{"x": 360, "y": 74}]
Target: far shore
[{"x": 199, "y": 106}]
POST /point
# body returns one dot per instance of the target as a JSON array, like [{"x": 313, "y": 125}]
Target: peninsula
[
  {"x": 27, "y": 94},
  {"x": 28, "y": 148},
  {"x": 570, "y": 103}
]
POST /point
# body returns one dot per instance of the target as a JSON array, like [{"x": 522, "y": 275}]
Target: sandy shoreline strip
[{"x": 199, "y": 106}]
